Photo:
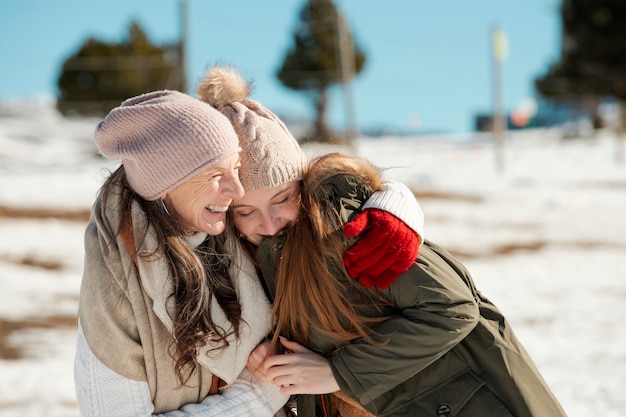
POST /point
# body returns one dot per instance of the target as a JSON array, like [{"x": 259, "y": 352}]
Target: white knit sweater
[{"x": 97, "y": 385}]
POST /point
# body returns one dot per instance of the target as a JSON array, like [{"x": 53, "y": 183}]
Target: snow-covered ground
[{"x": 545, "y": 239}]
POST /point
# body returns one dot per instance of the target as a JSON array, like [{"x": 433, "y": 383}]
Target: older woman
[{"x": 162, "y": 326}]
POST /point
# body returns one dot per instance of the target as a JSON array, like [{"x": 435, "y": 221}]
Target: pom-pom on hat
[
  {"x": 270, "y": 154},
  {"x": 164, "y": 138}
]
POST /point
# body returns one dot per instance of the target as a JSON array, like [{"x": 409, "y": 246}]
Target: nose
[
  {"x": 233, "y": 188},
  {"x": 270, "y": 225}
]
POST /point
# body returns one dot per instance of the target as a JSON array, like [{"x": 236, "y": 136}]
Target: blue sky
[{"x": 428, "y": 63}]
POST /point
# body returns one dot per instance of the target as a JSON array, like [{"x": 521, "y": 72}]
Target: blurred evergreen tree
[
  {"x": 101, "y": 75},
  {"x": 592, "y": 66},
  {"x": 313, "y": 62}
]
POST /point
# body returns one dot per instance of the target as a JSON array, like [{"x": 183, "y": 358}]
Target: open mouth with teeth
[{"x": 217, "y": 209}]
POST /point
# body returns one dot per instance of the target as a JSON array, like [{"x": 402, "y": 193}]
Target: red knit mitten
[{"x": 387, "y": 248}]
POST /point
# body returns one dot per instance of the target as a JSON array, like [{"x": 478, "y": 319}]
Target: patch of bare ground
[
  {"x": 611, "y": 185},
  {"x": 8, "y": 327},
  {"x": 439, "y": 195},
  {"x": 510, "y": 248},
  {"x": 44, "y": 213},
  {"x": 32, "y": 261},
  {"x": 536, "y": 321},
  {"x": 83, "y": 215},
  {"x": 537, "y": 246}
]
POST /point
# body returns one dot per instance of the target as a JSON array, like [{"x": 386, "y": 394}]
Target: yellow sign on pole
[
  {"x": 500, "y": 44},
  {"x": 499, "y": 53}
]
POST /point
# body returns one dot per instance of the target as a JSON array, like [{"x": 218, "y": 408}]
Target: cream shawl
[{"x": 124, "y": 315}]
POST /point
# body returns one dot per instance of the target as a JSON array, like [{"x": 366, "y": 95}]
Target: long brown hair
[
  {"x": 310, "y": 294},
  {"x": 198, "y": 275}
]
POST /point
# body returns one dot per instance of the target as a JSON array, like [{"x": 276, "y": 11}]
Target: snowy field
[{"x": 545, "y": 239}]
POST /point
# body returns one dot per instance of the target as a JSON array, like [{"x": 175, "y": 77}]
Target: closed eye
[
  {"x": 243, "y": 213},
  {"x": 286, "y": 199}
]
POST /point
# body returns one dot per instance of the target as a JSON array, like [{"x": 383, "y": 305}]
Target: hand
[
  {"x": 256, "y": 358},
  {"x": 300, "y": 371},
  {"x": 387, "y": 249}
]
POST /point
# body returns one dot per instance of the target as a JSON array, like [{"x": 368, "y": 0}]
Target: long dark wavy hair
[{"x": 198, "y": 275}]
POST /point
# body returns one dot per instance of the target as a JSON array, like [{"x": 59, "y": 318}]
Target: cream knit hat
[
  {"x": 270, "y": 154},
  {"x": 164, "y": 138}
]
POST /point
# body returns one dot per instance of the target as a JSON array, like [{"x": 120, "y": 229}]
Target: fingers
[
  {"x": 382, "y": 227},
  {"x": 389, "y": 256},
  {"x": 357, "y": 225},
  {"x": 292, "y": 346},
  {"x": 257, "y": 369},
  {"x": 368, "y": 246},
  {"x": 304, "y": 373},
  {"x": 366, "y": 280},
  {"x": 404, "y": 262},
  {"x": 262, "y": 349},
  {"x": 257, "y": 356},
  {"x": 289, "y": 389},
  {"x": 356, "y": 266},
  {"x": 253, "y": 362},
  {"x": 405, "y": 258},
  {"x": 386, "y": 249},
  {"x": 392, "y": 260},
  {"x": 365, "y": 254},
  {"x": 283, "y": 370}
]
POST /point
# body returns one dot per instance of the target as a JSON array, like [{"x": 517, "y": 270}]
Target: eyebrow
[
  {"x": 210, "y": 171},
  {"x": 283, "y": 191}
]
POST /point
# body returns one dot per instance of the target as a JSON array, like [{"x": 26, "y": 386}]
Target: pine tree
[
  {"x": 592, "y": 66},
  {"x": 100, "y": 75},
  {"x": 312, "y": 64}
]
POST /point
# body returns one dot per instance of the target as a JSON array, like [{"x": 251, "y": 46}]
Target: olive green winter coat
[{"x": 450, "y": 351}]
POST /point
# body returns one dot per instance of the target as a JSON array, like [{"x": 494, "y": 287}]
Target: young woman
[
  {"x": 272, "y": 168},
  {"x": 429, "y": 344}
]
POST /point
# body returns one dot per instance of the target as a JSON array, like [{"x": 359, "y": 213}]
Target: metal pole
[
  {"x": 182, "y": 67},
  {"x": 499, "y": 127},
  {"x": 346, "y": 59}
]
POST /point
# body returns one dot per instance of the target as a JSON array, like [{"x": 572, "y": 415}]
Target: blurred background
[
  {"x": 406, "y": 67},
  {"x": 504, "y": 118}
]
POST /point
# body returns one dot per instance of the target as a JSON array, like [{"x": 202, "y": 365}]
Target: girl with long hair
[{"x": 428, "y": 344}]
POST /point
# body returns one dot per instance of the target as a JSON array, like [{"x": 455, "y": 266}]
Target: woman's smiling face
[
  {"x": 201, "y": 202},
  {"x": 266, "y": 212}
]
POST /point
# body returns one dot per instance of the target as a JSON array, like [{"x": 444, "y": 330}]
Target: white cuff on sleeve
[{"x": 399, "y": 200}]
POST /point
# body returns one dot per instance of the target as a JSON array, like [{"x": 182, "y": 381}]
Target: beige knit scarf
[
  {"x": 255, "y": 309},
  {"x": 157, "y": 284}
]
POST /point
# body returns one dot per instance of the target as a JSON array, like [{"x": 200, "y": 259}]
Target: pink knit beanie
[
  {"x": 164, "y": 138},
  {"x": 270, "y": 154}
]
